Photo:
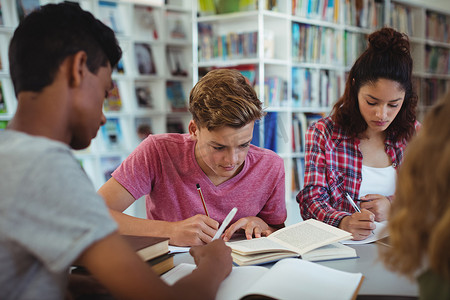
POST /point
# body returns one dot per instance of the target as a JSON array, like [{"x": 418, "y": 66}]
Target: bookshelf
[
  {"x": 146, "y": 30},
  {"x": 299, "y": 54}
]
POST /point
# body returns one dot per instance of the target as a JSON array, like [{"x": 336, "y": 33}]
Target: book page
[
  {"x": 257, "y": 245},
  {"x": 232, "y": 288},
  {"x": 331, "y": 251},
  {"x": 299, "y": 279},
  {"x": 308, "y": 235}
]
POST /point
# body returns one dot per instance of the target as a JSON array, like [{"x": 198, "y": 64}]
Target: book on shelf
[
  {"x": 270, "y": 131},
  {"x": 298, "y": 170},
  {"x": 288, "y": 279},
  {"x": 312, "y": 118},
  {"x": 146, "y": 21},
  {"x": 175, "y": 95},
  {"x": 256, "y": 140},
  {"x": 175, "y": 61},
  {"x": 1, "y": 16},
  {"x": 175, "y": 125},
  {"x": 144, "y": 96},
  {"x": 112, "y": 134},
  {"x": 113, "y": 101},
  {"x": 275, "y": 91},
  {"x": 3, "y": 124},
  {"x": 110, "y": 16},
  {"x": 310, "y": 240},
  {"x": 143, "y": 126},
  {"x": 108, "y": 164},
  {"x": 299, "y": 127},
  {"x": 145, "y": 62},
  {"x": 3, "y": 108},
  {"x": 175, "y": 26},
  {"x": 206, "y": 7},
  {"x": 25, "y": 7},
  {"x": 120, "y": 67}
]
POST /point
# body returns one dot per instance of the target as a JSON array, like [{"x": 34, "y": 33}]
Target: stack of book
[{"x": 153, "y": 250}]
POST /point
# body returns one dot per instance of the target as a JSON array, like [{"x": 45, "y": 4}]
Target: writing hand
[
  {"x": 379, "y": 205},
  {"x": 253, "y": 226},
  {"x": 196, "y": 230},
  {"x": 216, "y": 253},
  {"x": 360, "y": 225}
]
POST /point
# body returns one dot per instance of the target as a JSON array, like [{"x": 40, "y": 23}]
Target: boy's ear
[
  {"x": 193, "y": 130},
  {"x": 78, "y": 68}
]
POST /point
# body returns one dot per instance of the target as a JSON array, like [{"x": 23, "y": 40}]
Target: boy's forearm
[{"x": 142, "y": 227}]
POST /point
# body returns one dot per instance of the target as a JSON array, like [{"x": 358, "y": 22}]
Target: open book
[
  {"x": 287, "y": 279},
  {"x": 311, "y": 240}
]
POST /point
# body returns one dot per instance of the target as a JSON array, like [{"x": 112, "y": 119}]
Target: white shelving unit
[{"x": 346, "y": 39}]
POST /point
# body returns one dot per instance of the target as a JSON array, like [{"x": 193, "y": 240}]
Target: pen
[
  {"x": 225, "y": 223},
  {"x": 352, "y": 202},
  {"x": 203, "y": 199}
]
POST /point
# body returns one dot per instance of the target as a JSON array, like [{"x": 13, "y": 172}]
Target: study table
[{"x": 379, "y": 283}]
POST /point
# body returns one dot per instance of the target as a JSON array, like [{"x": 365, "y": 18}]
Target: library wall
[
  {"x": 151, "y": 83},
  {"x": 295, "y": 53}
]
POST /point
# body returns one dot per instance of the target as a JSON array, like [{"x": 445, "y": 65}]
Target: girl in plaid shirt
[{"x": 366, "y": 133}]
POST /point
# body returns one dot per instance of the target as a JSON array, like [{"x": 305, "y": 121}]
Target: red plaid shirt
[{"x": 333, "y": 164}]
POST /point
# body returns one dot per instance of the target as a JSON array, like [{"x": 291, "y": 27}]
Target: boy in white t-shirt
[{"x": 61, "y": 59}]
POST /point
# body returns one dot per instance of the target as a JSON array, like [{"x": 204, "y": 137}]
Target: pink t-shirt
[{"x": 163, "y": 167}]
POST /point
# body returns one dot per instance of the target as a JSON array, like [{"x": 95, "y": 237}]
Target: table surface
[{"x": 377, "y": 279}]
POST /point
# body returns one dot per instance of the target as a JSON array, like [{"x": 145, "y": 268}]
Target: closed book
[
  {"x": 162, "y": 263},
  {"x": 148, "y": 247}
]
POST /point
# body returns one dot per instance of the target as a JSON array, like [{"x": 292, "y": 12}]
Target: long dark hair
[{"x": 387, "y": 56}]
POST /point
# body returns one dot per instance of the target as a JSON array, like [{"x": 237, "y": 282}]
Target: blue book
[
  {"x": 256, "y": 136},
  {"x": 270, "y": 131}
]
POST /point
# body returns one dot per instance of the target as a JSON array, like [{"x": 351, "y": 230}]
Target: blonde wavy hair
[
  {"x": 223, "y": 97},
  {"x": 419, "y": 221}
]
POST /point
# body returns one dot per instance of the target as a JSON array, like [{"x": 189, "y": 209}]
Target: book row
[
  {"x": 232, "y": 45},
  {"x": 437, "y": 60},
  {"x": 361, "y": 13},
  {"x": 118, "y": 98},
  {"x": 315, "y": 43},
  {"x": 316, "y": 88}
]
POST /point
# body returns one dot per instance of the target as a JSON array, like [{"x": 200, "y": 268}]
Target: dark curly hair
[{"x": 387, "y": 56}]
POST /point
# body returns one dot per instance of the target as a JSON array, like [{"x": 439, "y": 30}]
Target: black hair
[
  {"x": 52, "y": 33},
  {"x": 386, "y": 57}
]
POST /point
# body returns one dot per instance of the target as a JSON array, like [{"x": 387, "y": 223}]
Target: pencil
[{"x": 203, "y": 199}]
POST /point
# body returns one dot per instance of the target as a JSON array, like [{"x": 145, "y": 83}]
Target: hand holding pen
[
  {"x": 225, "y": 222},
  {"x": 360, "y": 224}
]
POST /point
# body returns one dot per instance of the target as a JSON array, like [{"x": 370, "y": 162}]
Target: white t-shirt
[{"x": 378, "y": 181}]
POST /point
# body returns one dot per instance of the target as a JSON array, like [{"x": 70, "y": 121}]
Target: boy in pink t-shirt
[{"x": 217, "y": 155}]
